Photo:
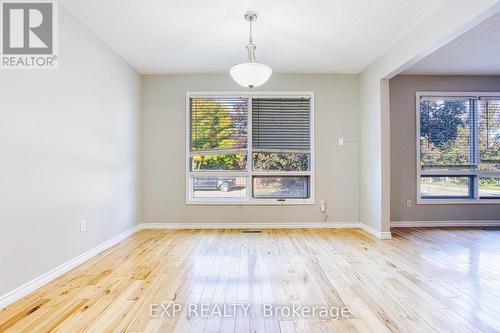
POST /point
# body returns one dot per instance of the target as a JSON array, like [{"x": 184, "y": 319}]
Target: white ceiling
[
  {"x": 476, "y": 52},
  {"x": 199, "y": 36}
]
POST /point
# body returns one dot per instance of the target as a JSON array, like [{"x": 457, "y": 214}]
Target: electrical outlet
[
  {"x": 341, "y": 141},
  {"x": 408, "y": 203},
  {"x": 83, "y": 226}
]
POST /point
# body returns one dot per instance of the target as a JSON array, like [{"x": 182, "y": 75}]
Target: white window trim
[
  {"x": 249, "y": 200},
  {"x": 476, "y": 200}
]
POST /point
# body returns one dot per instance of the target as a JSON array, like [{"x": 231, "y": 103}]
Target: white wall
[
  {"x": 371, "y": 169},
  {"x": 449, "y": 21},
  {"x": 163, "y": 169},
  {"x": 69, "y": 150},
  {"x": 403, "y": 89}
]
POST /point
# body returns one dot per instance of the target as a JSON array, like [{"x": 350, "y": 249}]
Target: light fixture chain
[{"x": 251, "y": 37}]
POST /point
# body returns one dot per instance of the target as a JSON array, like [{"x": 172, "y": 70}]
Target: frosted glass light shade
[{"x": 250, "y": 74}]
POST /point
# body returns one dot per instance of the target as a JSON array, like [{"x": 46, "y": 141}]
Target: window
[
  {"x": 249, "y": 149},
  {"x": 458, "y": 141}
]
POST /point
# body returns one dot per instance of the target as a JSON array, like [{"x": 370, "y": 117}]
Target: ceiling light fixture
[{"x": 251, "y": 73}]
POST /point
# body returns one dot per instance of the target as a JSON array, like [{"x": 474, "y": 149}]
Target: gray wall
[
  {"x": 69, "y": 151},
  {"x": 403, "y": 145},
  {"x": 164, "y": 146}
]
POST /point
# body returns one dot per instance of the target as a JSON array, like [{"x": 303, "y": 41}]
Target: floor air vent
[{"x": 251, "y": 232}]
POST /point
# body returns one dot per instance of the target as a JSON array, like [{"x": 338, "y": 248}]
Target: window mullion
[
  {"x": 477, "y": 158},
  {"x": 249, "y": 150}
]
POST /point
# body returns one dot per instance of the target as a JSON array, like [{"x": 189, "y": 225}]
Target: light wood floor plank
[{"x": 423, "y": 280}]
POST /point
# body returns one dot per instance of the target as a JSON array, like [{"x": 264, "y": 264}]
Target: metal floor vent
[{"x": 251, "y": 232}]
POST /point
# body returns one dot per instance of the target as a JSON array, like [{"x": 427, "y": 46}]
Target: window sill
[
  {"x": 290, "y": 202},
  {"x": 458, "y": 201}
]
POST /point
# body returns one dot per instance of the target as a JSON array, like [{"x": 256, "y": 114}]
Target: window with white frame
[
  {"x": 249, "y": 149},
  {"x": 458, "y": 148}
]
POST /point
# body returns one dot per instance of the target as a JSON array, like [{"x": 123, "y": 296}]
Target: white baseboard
[
  {"x": 246, "y": 225},
  {"x": 463, "y": 223},
  {"x": 374, "y": 232},
  {"x": 40, "y": 281},
  {"x": 267, "y": 225}
]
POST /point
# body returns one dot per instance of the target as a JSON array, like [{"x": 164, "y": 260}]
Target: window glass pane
[
  {"x": 489, "y": 187},
  {"x": 445, "y": 187},
  {"x": 445, "y": 133},
  {"x": 489, "y": 135},
  {"x": 236, "y": 162},
  {"x": 281, "y": 187},
  {"x": 218, "y": 123},
  {"x": 219, "y": 187},
  {"x": 264, "y": 161}
]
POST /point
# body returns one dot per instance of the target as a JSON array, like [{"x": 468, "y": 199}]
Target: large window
[
  {"x": 249, "y": 149},
  {"x": 458, "y": 141}
]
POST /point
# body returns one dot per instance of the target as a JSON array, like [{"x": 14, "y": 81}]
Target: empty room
[{"x": 250, "y": 166}]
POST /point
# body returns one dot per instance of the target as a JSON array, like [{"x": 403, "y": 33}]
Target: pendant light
[{"x": 251, "y": 73}]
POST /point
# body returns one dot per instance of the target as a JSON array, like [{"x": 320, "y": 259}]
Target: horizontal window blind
[
  {"x": 281, "y": 123},
  {"x": 218, "y": 123},
  {"x": 489, "y": 130}
]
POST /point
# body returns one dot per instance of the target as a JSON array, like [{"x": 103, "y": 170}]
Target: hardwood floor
[{"x": 423, "y": 280}]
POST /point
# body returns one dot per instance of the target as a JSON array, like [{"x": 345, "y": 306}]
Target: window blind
[
  {"x": 489, "y": 130},
  {"x": 218, "y": 123},
  {"x": 281, "y": 123}
]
